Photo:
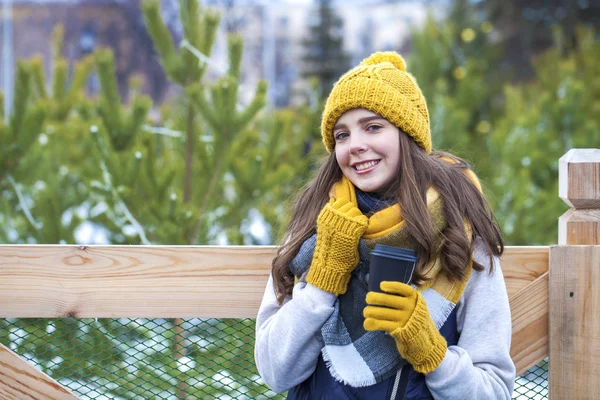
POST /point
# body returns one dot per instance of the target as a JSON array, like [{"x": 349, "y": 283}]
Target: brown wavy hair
[{"x": 417, "y": 171}]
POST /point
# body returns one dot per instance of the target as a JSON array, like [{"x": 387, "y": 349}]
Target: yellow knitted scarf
[{"x": 387, "y": 227}]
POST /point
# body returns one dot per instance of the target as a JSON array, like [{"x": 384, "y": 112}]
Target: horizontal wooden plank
[
  {"x": 21, "y": 380},
  {"x": 163, "y": 281},
  {"x": 529, "y": 309},
  {"x": 521, "y": 265},
  {"x": 132, "y": 281}
]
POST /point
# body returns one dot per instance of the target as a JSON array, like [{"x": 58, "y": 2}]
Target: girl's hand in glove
[
  {"x": 402, "y": 312},
  {"x": 340, "y": 226}
]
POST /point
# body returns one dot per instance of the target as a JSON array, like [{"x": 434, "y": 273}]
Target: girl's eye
[
  {"x": 341, "y": 136},
  {"x": 373, "y": 128}
]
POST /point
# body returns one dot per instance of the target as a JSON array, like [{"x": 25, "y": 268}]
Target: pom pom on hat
[
  {"x": 380, "y": 84},
  {"x": 385, "y": 56}
]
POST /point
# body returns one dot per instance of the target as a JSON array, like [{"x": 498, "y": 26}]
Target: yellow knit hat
[{"x": 380, "y": 84}]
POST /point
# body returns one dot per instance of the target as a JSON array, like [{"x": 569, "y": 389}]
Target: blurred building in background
[
  {"x": 87, "y": 24},
  {"x": 273, "y": 32}
]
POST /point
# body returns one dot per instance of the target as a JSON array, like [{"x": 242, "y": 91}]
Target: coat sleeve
[
  {"x": 479, "y": 366},
  {"x": 288, "y": 337}
]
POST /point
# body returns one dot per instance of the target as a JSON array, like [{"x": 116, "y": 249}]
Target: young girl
[{"x": 319, "y": 333}]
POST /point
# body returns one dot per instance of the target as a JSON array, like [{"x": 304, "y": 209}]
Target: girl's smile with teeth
[{"x": 366, "y": 165}]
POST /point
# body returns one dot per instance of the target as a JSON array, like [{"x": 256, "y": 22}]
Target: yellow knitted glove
[
  {"x": 402, "y": 312},
  {"x": 339, "y": 228}
]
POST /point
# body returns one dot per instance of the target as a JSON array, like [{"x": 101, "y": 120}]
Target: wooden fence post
[{"x": 574, "y": 281}]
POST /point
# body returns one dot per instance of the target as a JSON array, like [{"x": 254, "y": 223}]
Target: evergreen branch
[
  {"x": 50, "y": 205},
  {"x": 181, "y": 67},
  {"x": 37, "y": 70},
  {"x": 85, "y": 109},
  {"x": 189, "y": 16},
  {"x": 210, "y": 23},
  {"x": 163, "y": 41},
  {"x": 207, "y": 196},
  {"x": 161, "y": 37},
  {"x": 62, "y": 103},
  {"x": 80, "y": 75},
  {"x": 241, "y": 176},
  {"x": 205, "y": 143},
  {"x": 140, "y": 108},
  {"x": 225, "y": 95},
  {"x": 162, "y": 186},
  {"x": 105, "y": 62},
  {"x": 203, "y": 59},
  {"x": 134, "y": 171},
  {"x": 21, "y": 98},
  {"x": 37, "y": 225},
  {"x": 59, "y": 80},
  {"x": 194, "y": 70},
  {"x": 31, "y": 127},
  {"x": 110, "y": 102},
  {"x": 258, "y": 102},
  {"x": 196, "y": 94},
  {"x": 236, "y": 47},
  {"x": 231, "y": 91},
  {"x": 150, "y": 162},
  {"x": 99, "y": 141},
  {"x": 189, "y": 153},
  {"x": 281, "y": 124},
  {"x": 6, "y": 143},
  {"x": 221, "y": 110},
  {"x": 121, "y": 206},
  {"x": 122, "y": 129}
]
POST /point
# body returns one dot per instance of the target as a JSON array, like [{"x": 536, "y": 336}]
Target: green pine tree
[
  {"x": 63, "y": 147},
  {"x": 187, "y": 66},
  {"x": 525, "y": 27},
  {"x": 511, "y": 133},
  {"x": 17, "y": 136},
  {"x": 324, "y": 55},
  {"x": 190, "y": 177},
  {"x": 460, "y": 71},
  {"x": 64, "y": 95},
  {"x": 557, "y": 111}
]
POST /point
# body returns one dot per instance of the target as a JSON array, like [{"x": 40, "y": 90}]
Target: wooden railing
[{"x": 554, "y": 291}]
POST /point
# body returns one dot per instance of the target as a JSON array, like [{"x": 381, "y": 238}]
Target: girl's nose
[{"x": 357, "y": 144}]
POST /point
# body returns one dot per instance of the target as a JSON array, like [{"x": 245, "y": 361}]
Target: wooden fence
[{"x": 554, "y": 291}]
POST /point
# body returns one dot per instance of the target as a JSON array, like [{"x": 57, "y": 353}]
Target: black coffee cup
[{"x": 390, "y": 263}]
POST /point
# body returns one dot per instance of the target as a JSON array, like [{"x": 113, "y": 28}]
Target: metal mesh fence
[
  {"x": 161, "y": 359},
  {"x": 533, "y": 384}
]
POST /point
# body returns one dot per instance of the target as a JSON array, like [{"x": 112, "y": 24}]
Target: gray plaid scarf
[{"x": 365, "y": 357}]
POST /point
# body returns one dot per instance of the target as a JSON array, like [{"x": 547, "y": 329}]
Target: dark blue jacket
[{"x": 322, "y": 386}]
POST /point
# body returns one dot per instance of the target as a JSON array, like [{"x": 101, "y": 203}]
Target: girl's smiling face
[{"x": 367, "y": 149}]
